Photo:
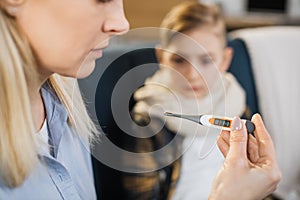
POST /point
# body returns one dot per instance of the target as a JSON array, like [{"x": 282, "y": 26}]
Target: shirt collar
[{"x": 57, "y": 115}]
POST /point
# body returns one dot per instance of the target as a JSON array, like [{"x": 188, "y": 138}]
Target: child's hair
[
  {"x": 190, "y": 15},
  {"x": 18, "y": 149}
]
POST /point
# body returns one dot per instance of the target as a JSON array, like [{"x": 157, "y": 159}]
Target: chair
[
  {"x": 107, "y": 179},
  {"x": 275, "y": 62}
]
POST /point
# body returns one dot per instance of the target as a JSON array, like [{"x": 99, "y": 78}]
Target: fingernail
[{"x": 236, "y": 124}]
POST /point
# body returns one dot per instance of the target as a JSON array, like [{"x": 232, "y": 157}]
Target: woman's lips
[{"x": 97, "y": 52}]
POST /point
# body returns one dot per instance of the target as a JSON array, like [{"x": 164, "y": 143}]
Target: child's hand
[{"x": 250, "y": 170}]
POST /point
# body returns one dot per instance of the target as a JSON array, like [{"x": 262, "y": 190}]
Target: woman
[{"x": 44, "y": 129}]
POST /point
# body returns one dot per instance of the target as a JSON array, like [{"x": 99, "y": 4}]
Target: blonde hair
[
  {"x": 190, "y": 15},
  {"x": 18, "y": 151}
]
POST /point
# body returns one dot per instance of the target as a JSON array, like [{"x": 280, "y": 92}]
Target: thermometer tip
[{"x": 168, "y": 113}]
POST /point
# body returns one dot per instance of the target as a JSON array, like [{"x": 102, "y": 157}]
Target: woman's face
[{"x": 67, "y": 36}]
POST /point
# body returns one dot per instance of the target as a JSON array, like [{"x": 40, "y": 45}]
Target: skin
[
  {"x": 67, "y": 37},
  {"x": 198, "y": 57}
]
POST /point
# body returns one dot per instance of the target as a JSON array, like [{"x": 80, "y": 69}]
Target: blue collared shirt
[{"x": 65, "y": 175}]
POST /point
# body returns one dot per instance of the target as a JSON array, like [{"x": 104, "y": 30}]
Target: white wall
[
  {"x": 230, "y": 7},
  {"x": 294, "y": 8},
  {"x": 239, "y": 7}
]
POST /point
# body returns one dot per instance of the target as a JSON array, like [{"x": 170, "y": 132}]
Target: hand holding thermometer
[{"x": 223, "y": 123}]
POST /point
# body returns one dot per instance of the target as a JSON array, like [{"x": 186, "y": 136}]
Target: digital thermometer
[{"x": 223, "y": 123}]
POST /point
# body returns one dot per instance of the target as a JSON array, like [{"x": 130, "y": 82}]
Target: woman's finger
[
  {"x": 264, "y": 141},
  {"x": 226, "y": 136},
  {"x": 223, "y": 145},
  {"x": 253, "y": 153},
  {"x": 238, "y": 141}
]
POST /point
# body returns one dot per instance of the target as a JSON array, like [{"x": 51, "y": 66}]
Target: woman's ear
[
  {"x": 227, "y": 57},
  {"x": 11, "y": 7}
]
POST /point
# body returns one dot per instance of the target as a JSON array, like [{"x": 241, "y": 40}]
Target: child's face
[{"x": 197, "y": 59}]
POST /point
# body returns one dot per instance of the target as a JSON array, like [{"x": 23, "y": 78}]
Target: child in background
[{"x": 192, "y": 79}]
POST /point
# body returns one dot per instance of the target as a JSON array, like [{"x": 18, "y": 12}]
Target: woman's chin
[{"x": 86, "y": 69}]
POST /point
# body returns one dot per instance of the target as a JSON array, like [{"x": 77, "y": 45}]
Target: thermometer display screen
[{"x": 222, "y": 122}]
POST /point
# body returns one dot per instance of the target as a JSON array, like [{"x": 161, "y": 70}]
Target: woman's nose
[{"x": 116, "y": 22}]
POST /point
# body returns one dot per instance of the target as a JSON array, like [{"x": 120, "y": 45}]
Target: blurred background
[{"x": 238, "y": 13}]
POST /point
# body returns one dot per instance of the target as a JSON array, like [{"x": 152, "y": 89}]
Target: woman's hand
[{"x": 250, "y": 169}]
